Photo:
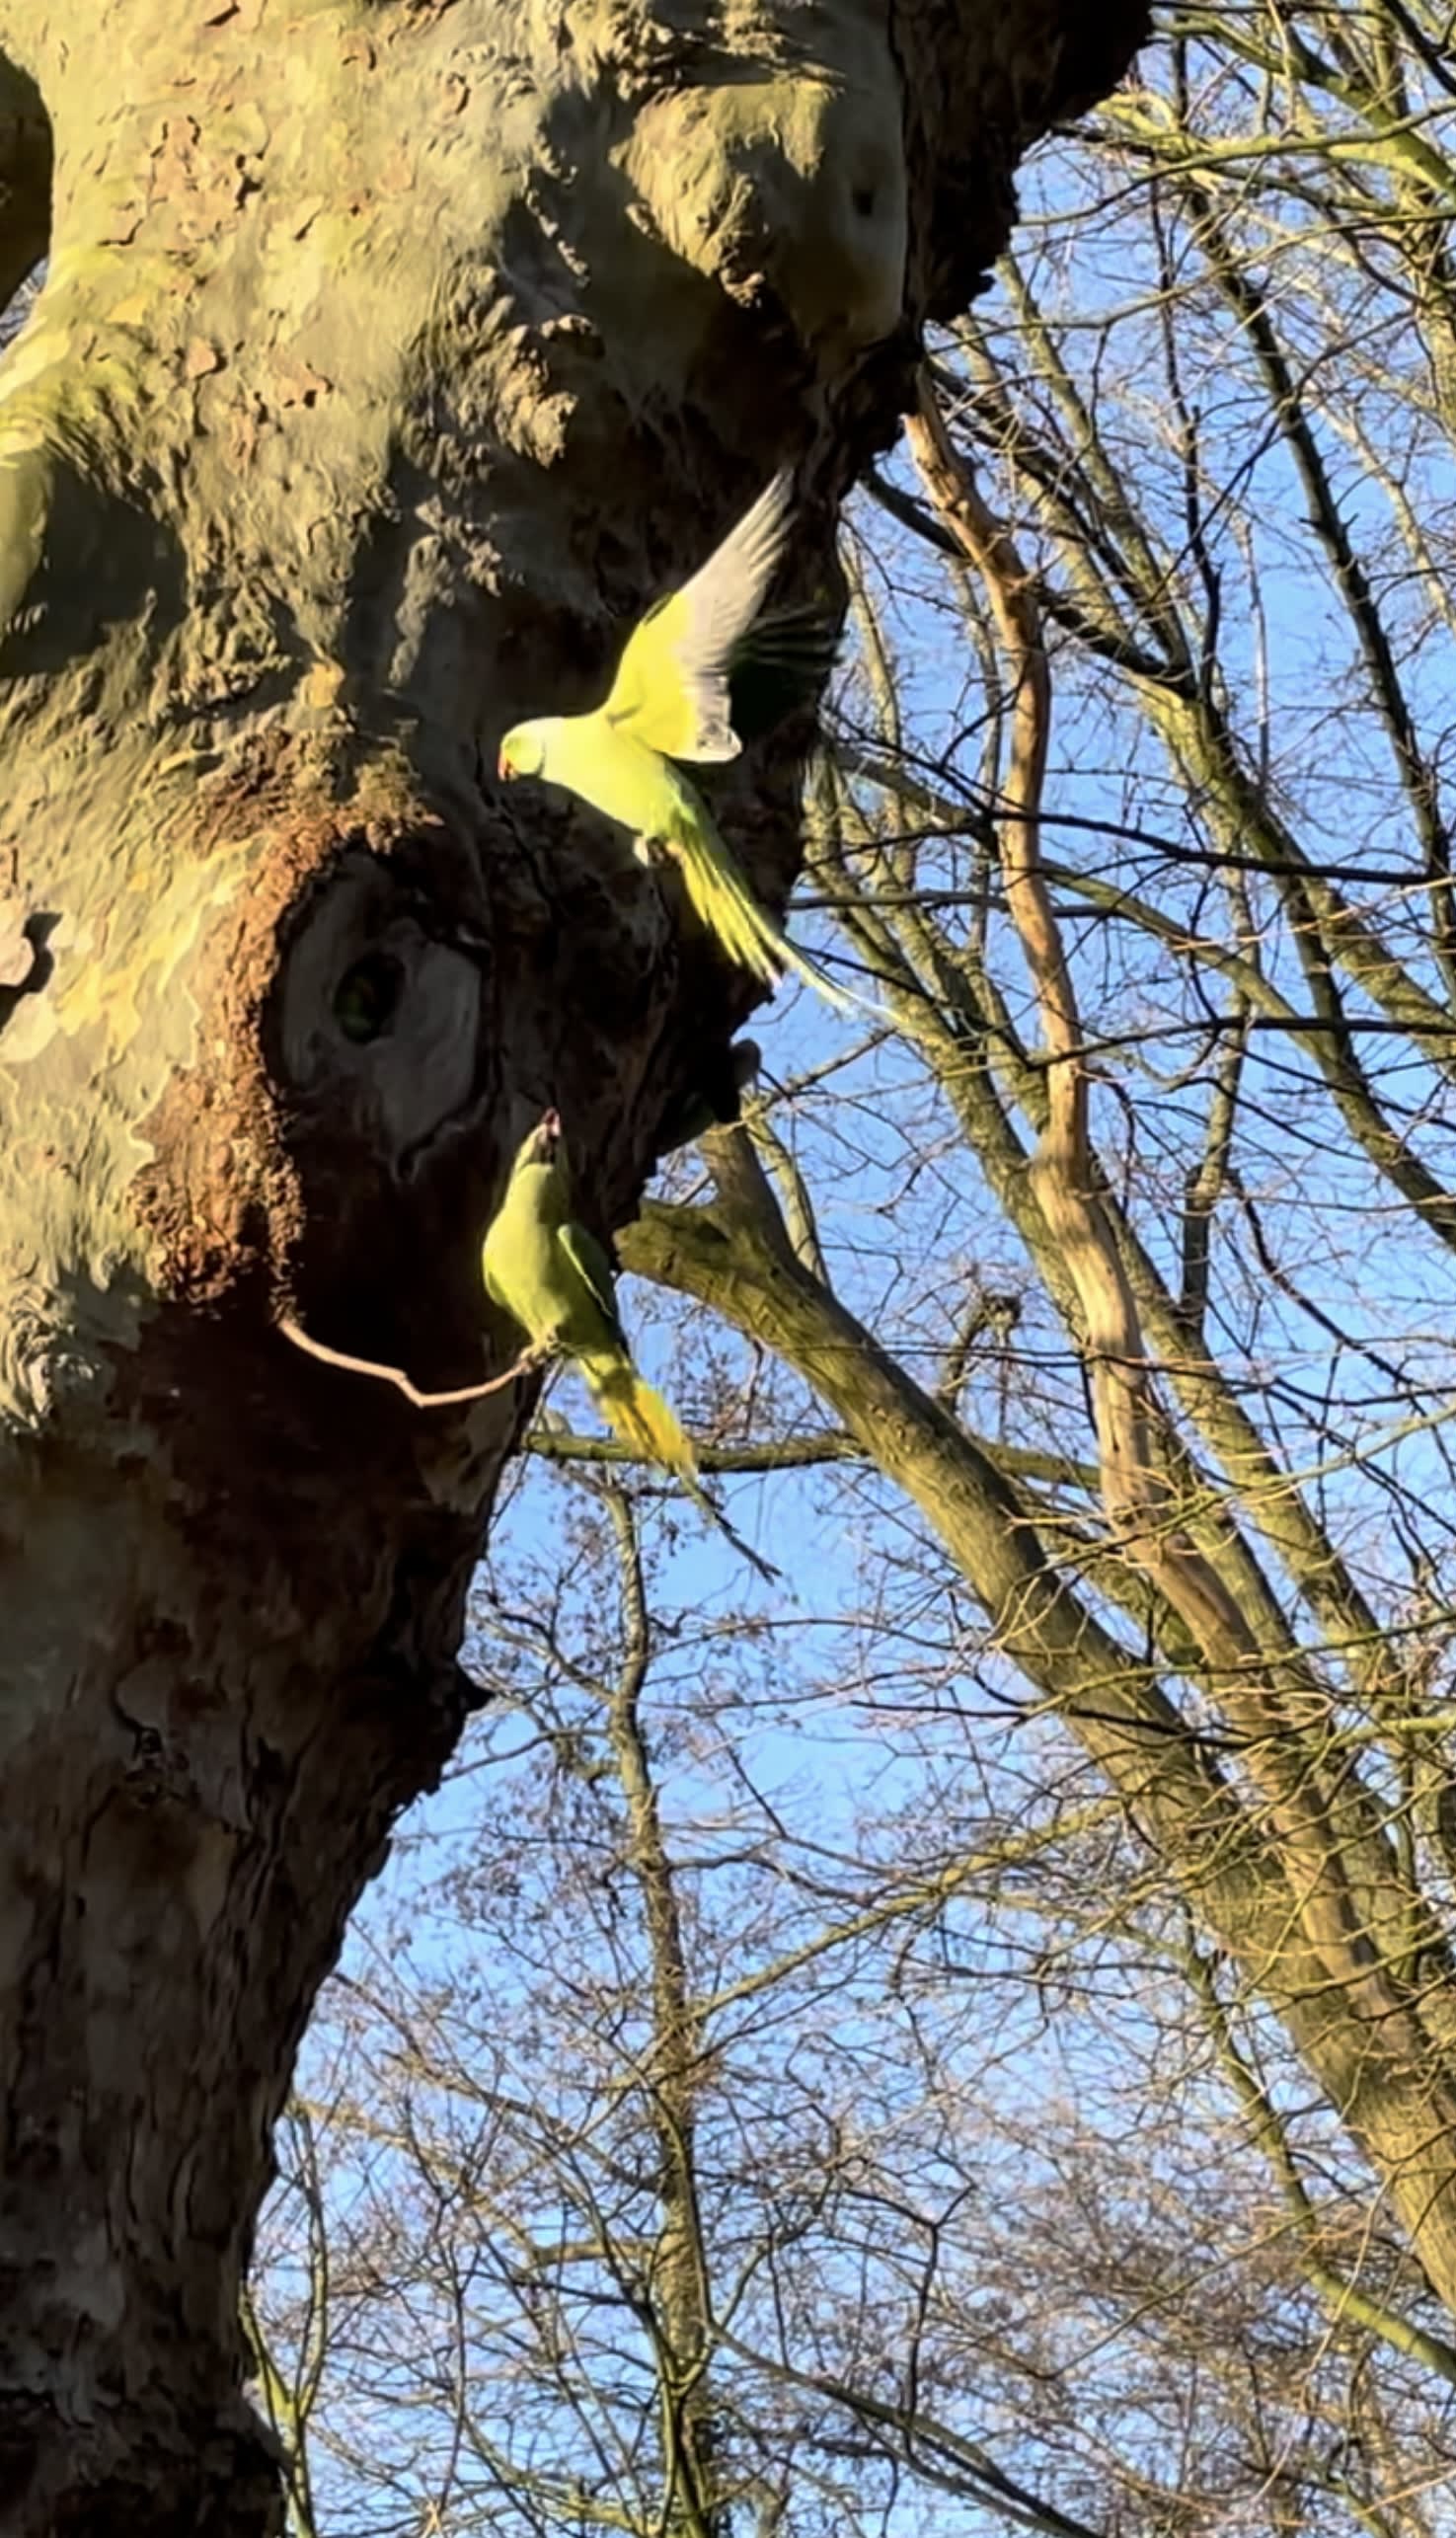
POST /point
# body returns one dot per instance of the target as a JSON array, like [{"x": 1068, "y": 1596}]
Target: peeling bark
[{"x": 387, "y": 356}]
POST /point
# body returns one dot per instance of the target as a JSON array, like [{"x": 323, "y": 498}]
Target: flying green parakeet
[
  {"x": 697, "y": 674},
  {"x": 555, "y": 1279}
]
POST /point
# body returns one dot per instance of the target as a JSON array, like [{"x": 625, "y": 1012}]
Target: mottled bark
[{"x": 387, "y": 354}]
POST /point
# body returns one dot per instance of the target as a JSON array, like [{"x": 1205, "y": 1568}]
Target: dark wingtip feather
[{"x": 780, "y": 664}]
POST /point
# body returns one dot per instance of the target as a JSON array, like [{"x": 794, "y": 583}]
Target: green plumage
[
  {"x": 555, "y": 1279},
  {"x": 701, "y": 671}
]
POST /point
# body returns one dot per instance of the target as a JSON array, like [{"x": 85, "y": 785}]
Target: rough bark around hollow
[{"x": 386, "y": 355}]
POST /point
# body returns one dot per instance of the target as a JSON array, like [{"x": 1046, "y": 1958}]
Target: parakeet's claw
[{"x": 540, "y": 1353}]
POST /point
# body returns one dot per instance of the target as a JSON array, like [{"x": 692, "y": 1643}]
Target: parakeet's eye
[{"x": 367, "y": 996}]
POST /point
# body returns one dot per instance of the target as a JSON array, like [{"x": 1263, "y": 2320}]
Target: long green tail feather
[
  {"x": 635, "y": 1414},
  {"x": 640, "y": 1418},
  {"x": 723, "y": 903}
]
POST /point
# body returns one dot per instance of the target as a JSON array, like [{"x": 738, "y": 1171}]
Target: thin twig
[{"x": 525, "y": 1364}]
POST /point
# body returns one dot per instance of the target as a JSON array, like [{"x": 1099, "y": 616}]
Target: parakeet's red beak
[
  {"x": 548, "y": 1136},
  {"x": 503, "y": 768}
]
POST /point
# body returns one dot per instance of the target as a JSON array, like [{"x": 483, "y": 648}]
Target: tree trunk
[{"x": 387, "y": 357}]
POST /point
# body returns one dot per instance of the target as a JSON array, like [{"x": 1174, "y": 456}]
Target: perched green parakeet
[
  {"x": 695, "y": 675},
  {"x": 555, "y": 1279}
]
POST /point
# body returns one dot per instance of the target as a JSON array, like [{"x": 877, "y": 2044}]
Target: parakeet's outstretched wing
[
  {"x": 591, "y": 1265},
  {"x": 671, "y": 688},
  {"x": 782, "y": 662}
]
